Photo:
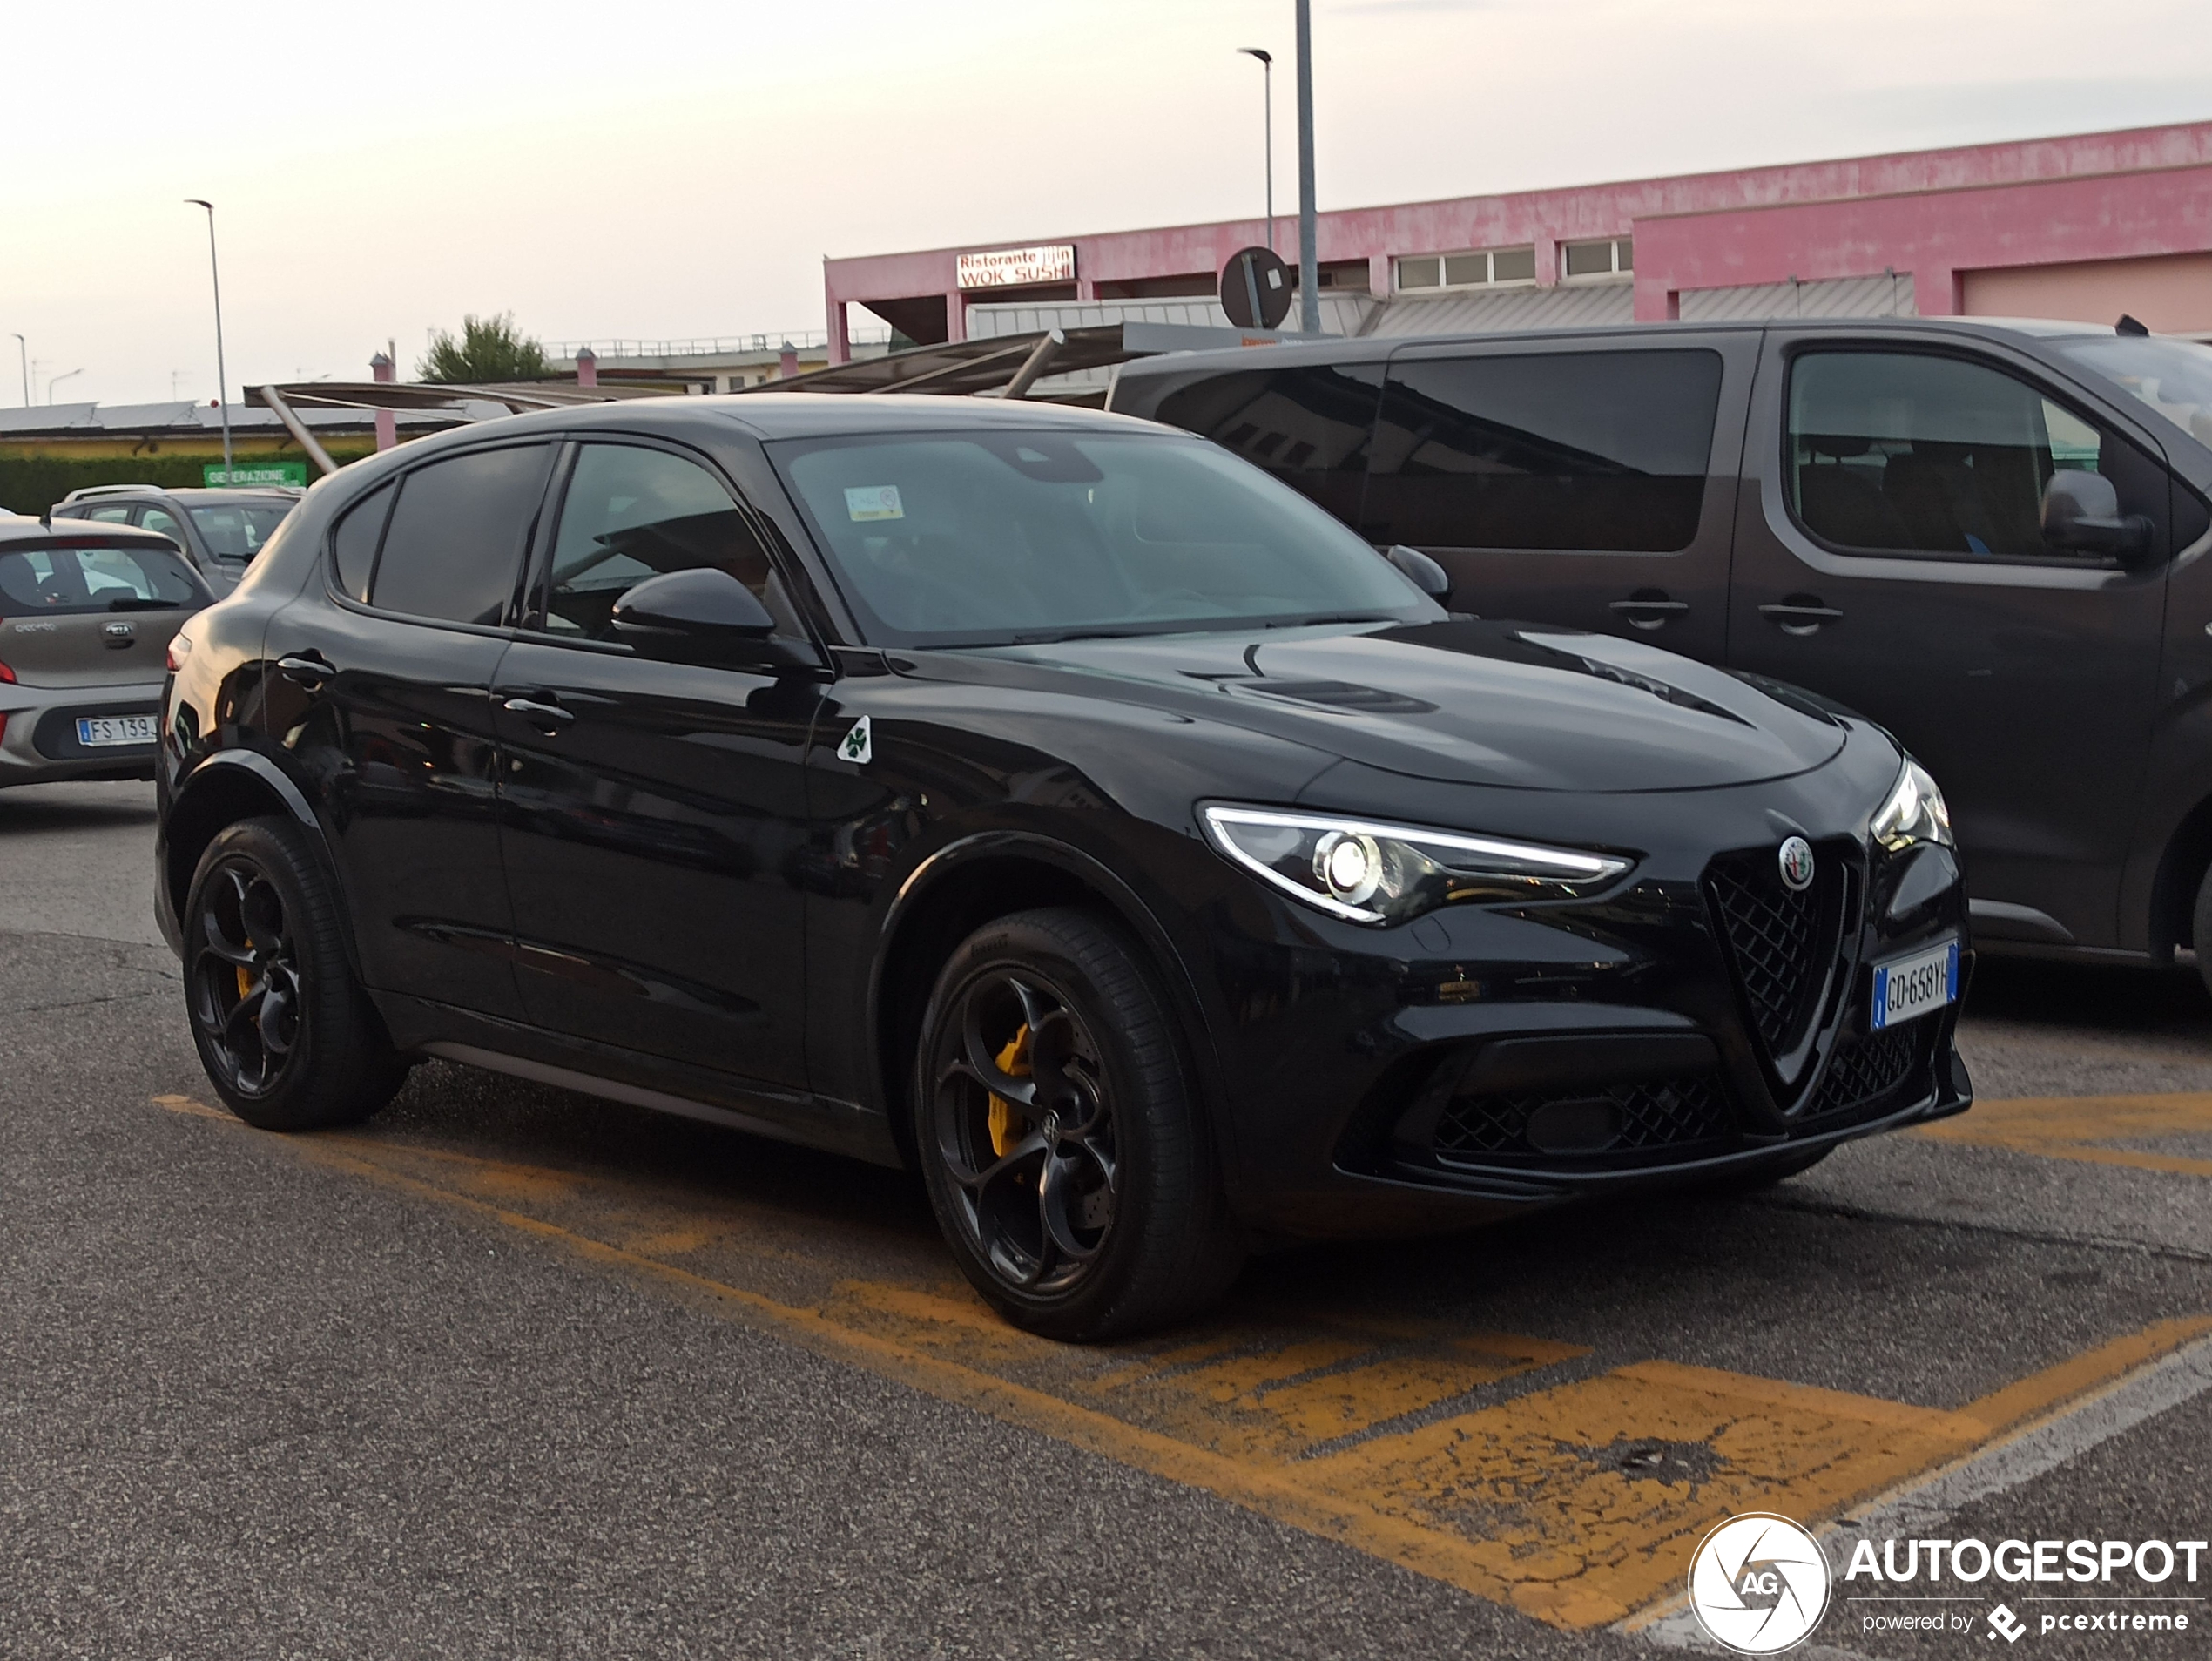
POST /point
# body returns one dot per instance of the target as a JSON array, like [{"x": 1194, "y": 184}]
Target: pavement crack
[{"x": 2041, "y": 1237}]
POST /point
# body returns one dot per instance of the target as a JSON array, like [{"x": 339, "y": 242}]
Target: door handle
[
  {"x": 1800, "y": 614},
  {"x": 1648, "y": 608},
  {"x": 309, "y": 669},
  {"x": 546, "y": 717}
]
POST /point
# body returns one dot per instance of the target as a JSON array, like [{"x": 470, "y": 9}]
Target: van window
[
  {"x": 1600, "y": 450},
  {"x": 1308, "y": 427},
  {"x": 1911, "y": 453},
  {"x": 456, "y": 537}
]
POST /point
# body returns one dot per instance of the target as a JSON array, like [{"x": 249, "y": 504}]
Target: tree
[{"x": 489, "y": 349}]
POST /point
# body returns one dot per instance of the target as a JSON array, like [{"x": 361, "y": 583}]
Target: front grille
[
  {"x": 1662, "y": 1114},
  {"x": 1872, "y": 1074},
  {"x": 1774, "y": 935}
]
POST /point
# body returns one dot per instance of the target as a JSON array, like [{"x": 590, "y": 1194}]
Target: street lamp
[
  {"x": 222, "y": 380},
  {"x": 1267, "y": 82},
  {"x": 56, "y": 381},
  {"x": 23, "y": 352},
  {"x": 1309, "y": 275}
]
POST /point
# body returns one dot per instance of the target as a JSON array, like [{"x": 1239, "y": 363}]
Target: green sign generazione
[{"x": 216, "y": 477}]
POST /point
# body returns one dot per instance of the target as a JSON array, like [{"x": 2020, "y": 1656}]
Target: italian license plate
[
  {"x": 1905, "y": 987},
  {"x": 97, "y": 732}
]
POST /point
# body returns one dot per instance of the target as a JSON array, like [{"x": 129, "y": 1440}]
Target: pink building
[{"x": 2083, "y": 227}]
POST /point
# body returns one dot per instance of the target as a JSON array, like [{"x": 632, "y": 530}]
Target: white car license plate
[
  {"x": 95, "y": 732},
  {"x": 1905, "y": 987}
]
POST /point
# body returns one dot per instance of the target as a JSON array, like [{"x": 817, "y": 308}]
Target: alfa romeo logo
[
  {"x": 1759, "y": 1583},
  {"x": 1797, "y": 864}
]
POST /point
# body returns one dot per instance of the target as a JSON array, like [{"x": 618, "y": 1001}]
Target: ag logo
[
  {"x": 1759, "y": 1583},
  {"x": 1796, "y": 860},
  {"x": 857, "y": 745}
]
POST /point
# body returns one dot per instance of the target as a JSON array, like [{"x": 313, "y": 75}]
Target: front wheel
[
  {"x": 1058, "y": 1135},
  {"x": 287, "y": 1037}
]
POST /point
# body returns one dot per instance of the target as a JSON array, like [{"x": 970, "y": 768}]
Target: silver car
[
  {"x": 86, "y": 613},
  {"x": 221, "y": 531}
]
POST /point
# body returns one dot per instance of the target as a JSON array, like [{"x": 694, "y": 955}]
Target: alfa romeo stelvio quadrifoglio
[{"x": 1046, "y": 801}]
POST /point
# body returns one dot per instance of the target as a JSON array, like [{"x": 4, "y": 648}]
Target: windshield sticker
[
  {"x": 867, "y": 502},
  {"x": 857, "y": 746}
]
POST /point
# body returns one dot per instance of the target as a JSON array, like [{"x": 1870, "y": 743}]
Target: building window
[
  {"x": 1614, "y": 258},
  {"x": 1483, "y": 268}
]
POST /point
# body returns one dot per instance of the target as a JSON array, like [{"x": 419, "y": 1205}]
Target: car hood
[{"x": 1516, "y": 704}]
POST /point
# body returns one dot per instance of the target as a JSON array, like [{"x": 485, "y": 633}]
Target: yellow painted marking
[
  {"x": 2073, "y": 1127},
  {"x": 1577, "y": 1504}
]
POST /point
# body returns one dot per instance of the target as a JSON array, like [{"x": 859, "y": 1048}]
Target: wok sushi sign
[{"x": 1017, "y": 268}]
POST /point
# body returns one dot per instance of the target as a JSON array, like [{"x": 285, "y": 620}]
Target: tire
[
  {"x": 1059, "y": 1137},
  {"x": 287, "y": 1037},
  {"x": 2200, "y": 930}
]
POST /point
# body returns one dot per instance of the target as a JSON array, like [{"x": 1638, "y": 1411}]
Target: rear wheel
[
  {"x": 1058, "y": 1135},
  {"x": 287, "y": 1034},
  {"x": 2201, "y": 930}
]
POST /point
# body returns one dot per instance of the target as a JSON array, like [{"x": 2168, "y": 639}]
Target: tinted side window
[
  {"x": 353, "y": 546},
  {"x": 50, "y": 582},
  {"x": 1905, "y": 453},
  {"x": 1310, "y": 427},
  {"x": 1562, "y": 451},
  {"x": 629, "y": 513},
  {"x": 456, "y": 534},
  {"x": 163, "y": 522}
]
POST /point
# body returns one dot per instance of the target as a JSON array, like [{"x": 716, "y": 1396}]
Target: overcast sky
[{"x": 661, "y": 169}]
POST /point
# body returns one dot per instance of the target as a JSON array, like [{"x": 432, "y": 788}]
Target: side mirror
[
  {"x": 705, "y": 616},
  {"x": 1427, "y": 575},
  {"x": 2081, "y": 515}
]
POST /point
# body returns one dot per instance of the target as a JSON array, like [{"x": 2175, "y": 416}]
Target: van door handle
[
  {"x": 1648, "y": 608},
  {"x": 309, "y": 669},
  {"x": 1800, "y": 614},
  {"x": 548, "y": 718}
]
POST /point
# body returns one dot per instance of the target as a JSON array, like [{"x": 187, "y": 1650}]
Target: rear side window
[
  {"x": 239, "y": 532},
  {"x": 1598, "y": 450},
  {"x": 1308, "y": 427},
  {"x": 631, "y": 512},
  {"x": 1907, "y": 453},
  {"x": 353, "y": 546},
  {"x": 456, "y": 538},
  {"x": 56, "y": 582}
]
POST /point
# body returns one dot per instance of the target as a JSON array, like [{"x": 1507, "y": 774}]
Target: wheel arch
[
  {"x": 227, "y": 787},
  {"x": 967, "y": 884},
  {"x": 2181, "y": 866}
]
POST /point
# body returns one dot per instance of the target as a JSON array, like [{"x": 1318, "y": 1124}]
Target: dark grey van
[{"x": 1990, "y": 537}]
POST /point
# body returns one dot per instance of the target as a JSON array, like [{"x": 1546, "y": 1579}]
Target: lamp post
[
  {"x": 222, "y": 380},
  {"x": 24, "y": 353},
  {"x": 1267, "y": 84},
  {"x": 57, "y": 380},
  {"x": 1309, "y": 275}
]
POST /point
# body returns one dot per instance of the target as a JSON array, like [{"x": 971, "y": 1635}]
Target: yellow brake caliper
[
  {"x": 1007, "y": 1122},
  {"x": 245, "y": 982}
]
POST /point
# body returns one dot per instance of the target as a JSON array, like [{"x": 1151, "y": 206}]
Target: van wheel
[
  {"x": 1058, "y": 1134},
  {"x": 288, "y": 1038}
]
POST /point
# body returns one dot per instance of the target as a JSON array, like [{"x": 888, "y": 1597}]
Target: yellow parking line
[
  {"x": 1576, "y": 1501},
  {"x": 2079, "y": 1127}
]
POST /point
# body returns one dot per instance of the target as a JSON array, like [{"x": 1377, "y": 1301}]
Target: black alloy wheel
[
  {"x": 1057, "y": 1135},
  {"x": 287, "y": 1037}
]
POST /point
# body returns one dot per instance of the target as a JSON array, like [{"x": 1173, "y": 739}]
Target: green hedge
[{"x": 33, "y": 484}]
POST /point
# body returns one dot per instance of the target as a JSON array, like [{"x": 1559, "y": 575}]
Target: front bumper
[{"x": 1479, "y": 1062}]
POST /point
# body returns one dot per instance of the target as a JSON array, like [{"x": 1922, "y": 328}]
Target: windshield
[
  {"x": 2174, "y": 377},
  {"x": 57, "y": 582},
  {"x": 237, "y": 530},
  {"x": 996, "y": 537}
]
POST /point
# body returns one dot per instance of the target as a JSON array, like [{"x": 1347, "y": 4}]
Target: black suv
[
  {"x": 221, "y": 532},
  {"x": 1042, "y": 798},
  {"x": 1990, "y": 537}
]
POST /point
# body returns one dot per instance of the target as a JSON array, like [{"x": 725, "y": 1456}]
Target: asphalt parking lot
[{"x": 512, "y": 1372}]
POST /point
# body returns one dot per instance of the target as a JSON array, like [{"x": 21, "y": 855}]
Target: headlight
[
  {"x": 1914, "y": 812},
  {"x": 1374, "y": 873}
]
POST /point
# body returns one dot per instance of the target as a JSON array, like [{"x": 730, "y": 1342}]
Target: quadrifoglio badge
[{"x": 1760, "y": 1583}]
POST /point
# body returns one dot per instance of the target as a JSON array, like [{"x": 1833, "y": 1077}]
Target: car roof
[
  {"x": 191, "y": 497},
  {"x": 77, "y": 533},
  {"x": 1374, "y": 348}
]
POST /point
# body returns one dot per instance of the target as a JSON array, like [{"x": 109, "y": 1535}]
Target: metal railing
[{"x": 719, "y": 345}]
